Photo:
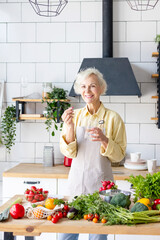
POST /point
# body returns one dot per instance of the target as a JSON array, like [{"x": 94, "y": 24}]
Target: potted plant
[
  {"x": 8, "y": 127},
  {"x": 157, "y": 39},
  {"x": 55, "y": 107}
]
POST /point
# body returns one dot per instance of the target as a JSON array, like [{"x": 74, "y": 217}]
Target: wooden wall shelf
[
  {"x": 157, "y": 76},
  {"x": 155, "y": 54},
  {"x": 23, "y": 116}
]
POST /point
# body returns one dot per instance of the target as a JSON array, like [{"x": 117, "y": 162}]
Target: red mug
[{"x": 67, "y": 161}]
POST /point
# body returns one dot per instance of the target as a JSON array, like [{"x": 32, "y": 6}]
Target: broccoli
[
  {"x": 139, "y": 207},
  {"x": 121, "y": 200}
]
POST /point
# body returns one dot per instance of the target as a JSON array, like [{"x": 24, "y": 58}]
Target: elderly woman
[{"x": 93, "y": 136}]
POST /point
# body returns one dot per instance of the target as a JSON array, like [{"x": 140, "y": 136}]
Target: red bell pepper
[
  {"x": 156, "y": 205},
  {"x": 17, "y": 211}
]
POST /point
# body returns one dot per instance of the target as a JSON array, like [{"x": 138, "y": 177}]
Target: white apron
[{"x": 88, "y": 168}]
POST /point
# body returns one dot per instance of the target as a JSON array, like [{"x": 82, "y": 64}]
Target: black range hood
[{"x": 117, "y": 72}]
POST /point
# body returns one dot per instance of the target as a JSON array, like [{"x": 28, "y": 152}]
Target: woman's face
[{"x": 90, "y": 89}]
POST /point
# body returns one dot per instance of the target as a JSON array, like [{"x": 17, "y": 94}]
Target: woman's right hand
[{"x": 67, "y": 117}]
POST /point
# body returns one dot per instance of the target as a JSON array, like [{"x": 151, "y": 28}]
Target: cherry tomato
[
  {"x": 64, "y": 214},
  {"x": 95, "y": 220},
  {"x": 157, "y": 201},
  {"x": 90, "y": 216},
  {"x": 85, "y": 216},
  {"x": 103, "y": 220},
  {"x": 96, "y": 216},
  {"x": 60, "y": 214},
  {"x": 55, "y": 219},
  {"x": 66, "y": 208},
  {"x": 49, "y": 217}
]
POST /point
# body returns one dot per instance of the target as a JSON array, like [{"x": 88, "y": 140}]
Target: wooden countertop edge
[
  {"x": 34, "y": 227},
  {"x": 36, "y": 175}
]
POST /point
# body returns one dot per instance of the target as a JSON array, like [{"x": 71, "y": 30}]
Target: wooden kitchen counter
[
  {"x": 34, "y": 170},
  {"x": 34, "y": 227}
]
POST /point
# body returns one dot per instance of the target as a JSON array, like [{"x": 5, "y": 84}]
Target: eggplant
[{"x": 72, "y": 213}]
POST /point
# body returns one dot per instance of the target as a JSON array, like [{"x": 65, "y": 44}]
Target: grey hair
[{"x": 83, "y": 74}]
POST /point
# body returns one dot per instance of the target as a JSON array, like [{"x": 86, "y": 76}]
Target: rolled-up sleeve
[
  {"x": 116, "y": 148},
  {"x": 68, "y": 150}
]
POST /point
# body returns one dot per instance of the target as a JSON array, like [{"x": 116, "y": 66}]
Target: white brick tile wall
[
  {"x": 99, "y": 32},
  {"x": 143, "y": 71},
  {"x": 3, "y": 71},
  {"x": 22, "y": 152},
  {"x": 91, "y": 11},
  {"x": 148, "y": 90},
  {"x": 151, "y": 15},
  {"x": 65, "y": 52},
  {"x": 147, "y": 151},
  {"x": 71, "y": 71},
  {"x": 2, "y": 153},
  {"x": 10, "y": 12},
  {"x": 90, "y": 50},
  {"x": 143, "y": 31},
  {"x": 119, "y": 108},
  {"x": 158, "y": 154},
  {"x": 146, "y": 51},
  {"x": 52, "y": 32},
  {"x": 71, "y": 13},
  {"x": 15, "y": 71},
  {"x": 149, "y": 134},
  {"x": 10, "y": 52},
  {"x": 34, "y": 132},
  {"x": 132, "y": 132},
  {"x": 11, "y": 90},
  {"x": 139, "y": 113},
  {"x": 122, "y": 12},
  {"x": 80, "y": 32},
  {"x": 3, "y": 32},
  {"x": 35, "y": 52},
  {"x": 51, "y": 72},
  {"x": 29, "y": 15},
  {"x": 21, "y": 32},
  {"x": 127, "y": 49},
  {"x": 124, "y": 99},
  {"x": 119, "y": 33}
]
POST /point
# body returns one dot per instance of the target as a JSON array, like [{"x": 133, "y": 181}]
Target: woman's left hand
[{"x": 96, "y": 134}]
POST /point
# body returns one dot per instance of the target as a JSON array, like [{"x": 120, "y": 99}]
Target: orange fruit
[{"x": 49, "y": 203}]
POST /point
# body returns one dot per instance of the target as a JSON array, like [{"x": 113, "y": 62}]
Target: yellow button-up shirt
[{"x": 114, "y": 131}]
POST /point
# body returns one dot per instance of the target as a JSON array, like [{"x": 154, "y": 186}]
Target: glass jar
[
  {"x": 47, "y": 87},
  {"x": 48, "y": 156}
]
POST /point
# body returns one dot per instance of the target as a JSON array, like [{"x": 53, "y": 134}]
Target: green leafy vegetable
[
  {"x": 92, "y": 203},
  {"x": 121, "y": 200},
  {"x": 146, "y": 187}
]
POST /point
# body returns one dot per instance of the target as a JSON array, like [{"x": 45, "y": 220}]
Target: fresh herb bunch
[
  {"x": 92, "y": 203},
  {"x": 55, "y": 108},
  {"x": 8, "y": 127},
  {"x": 157, "y": 39},
  {"x": 146, "y": 187}
]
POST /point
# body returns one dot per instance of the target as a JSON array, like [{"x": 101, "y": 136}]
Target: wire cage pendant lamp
[
  {"x": 48, "y": 8},
  {"x": 142, "y": 5}
]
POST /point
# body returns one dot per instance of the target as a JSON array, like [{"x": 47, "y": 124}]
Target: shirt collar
[{"x": 100, "y": 113}]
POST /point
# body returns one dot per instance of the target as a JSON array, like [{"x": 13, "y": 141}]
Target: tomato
[
  {"x": 157, "y": 201},
  {"x": 64, "y": 214},
  {"x": 66, "y": 208},
  {"x": 17, "y": 211},
  {"x": 49, "y": 218},
  {"x": 55, "y": 219},
  {"x": 103, "y": 220},
  {"x": 96, "y": 215},
  {"x": 90, "y": 216},
  {"x": 104, "y": 188},
  {"x": 85, "y": 216},
  {"x": 60, "y": 214},
  {"x": 95, "y": 220}
]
